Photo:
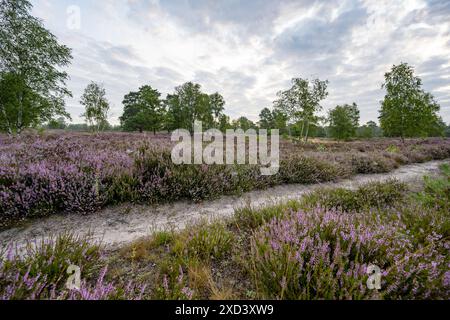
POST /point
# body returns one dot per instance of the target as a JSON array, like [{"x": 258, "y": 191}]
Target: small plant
[
  {"x": 162, "y": 238},
  {"x": 371, "y": 195},
  {"x": 321, "y": 148},
  {"x": 249, "y": 218},
  {"x": 174, "y": 287},
  {"x": 51, "y": 257},
  {"x": 437, "y": 190},
  {"x": 213, "y": 241},
  {"x": 40, "y": 272},
  {"x": 393, "y": 149}
]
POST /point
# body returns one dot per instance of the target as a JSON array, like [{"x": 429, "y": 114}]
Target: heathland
[{"x": 318, "y": 246}]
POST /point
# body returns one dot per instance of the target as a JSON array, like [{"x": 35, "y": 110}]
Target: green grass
[{"x": 254, "y": 255}]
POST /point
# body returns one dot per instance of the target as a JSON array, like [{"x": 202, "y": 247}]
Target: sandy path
[{"x": 125, "y": 223}]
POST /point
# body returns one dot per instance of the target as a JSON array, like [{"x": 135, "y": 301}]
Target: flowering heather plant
[
  {"x": 103, "y": 290},
  {"x": 437, "y": 190},
  {"x": 40, "y": 267},
  {"x": 214, "y": 241},
  {"x": 324, "y": 254},
  {"x": 174, "y": 287},
  {"x": 39, "y": 271},
  {"x": 422, "y": 274},
  {"x": 370, "y": 195},
  {"x": 81, "y": 173}
]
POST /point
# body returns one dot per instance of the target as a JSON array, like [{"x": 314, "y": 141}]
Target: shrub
[
  {"x": 39, "y": 271},
  {"x": 307, "y": 170},
  {"x": 318, "y": 255},
  {"x": 371, "y": 195},
  {"x": 365, "y": 164},
  {"x": 324, "y": 254},
  {"x": 249, "y": 218},
  {"x": 437, "y": 190},
  {"x": 212, "y": 241},
  {"x": 80, "y": 173},
  {"x": 174, "y": 287}
]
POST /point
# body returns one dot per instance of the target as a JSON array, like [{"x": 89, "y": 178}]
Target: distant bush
[
  {"x": 308, "y": 170},
  {"x": 365, "y": 164}
]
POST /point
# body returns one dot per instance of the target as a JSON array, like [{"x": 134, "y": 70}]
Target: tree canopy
[
  {"x": 32, "y": 82},
  {"x": 407, "y": 110},
  {"x": 96, "y": 106},
  {"x": 344, "y": 121},
  {"x": 302, "y": 101},
  {"x": 143, "y": 110},
  {"x": 244, "y": 123},
  {"x": 189, "y": 104}
]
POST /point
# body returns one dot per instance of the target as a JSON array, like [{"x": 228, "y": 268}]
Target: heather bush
[
  {"x": 81, "y": 173},
  {"x": 371, "y": 163},
  {"x": 318, "y": 255},
  {"x": 249, "y": 218},
  {"x": 324, "y": 254},
  {"x": 39, "y": 271},
  {"x": 174, "y": 287},
  {"x": 51, "y": 257},
  {"x": 103, "y": 290},
  {"x": 423, "y": 274},
  {"x": 297, "y": 169},
  {"x": 370, "y": 195},
  {"x": 206, "y": 242},
  {"x": 437, "y": 190}
]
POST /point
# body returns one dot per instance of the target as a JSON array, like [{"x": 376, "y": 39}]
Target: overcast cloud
[{"x": 249, "y": 50}]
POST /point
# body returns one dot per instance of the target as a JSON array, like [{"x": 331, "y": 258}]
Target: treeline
[
  {"x": 33, "y": 92},
  {"x": 406, "y": 111}
]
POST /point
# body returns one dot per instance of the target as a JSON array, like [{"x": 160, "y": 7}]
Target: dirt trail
[{"x": 125, "y": 223}]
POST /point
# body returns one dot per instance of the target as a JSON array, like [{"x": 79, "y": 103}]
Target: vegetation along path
[{"x": 119, "y": 225}]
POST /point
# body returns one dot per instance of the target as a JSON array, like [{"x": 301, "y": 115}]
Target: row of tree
[
  {"x": 33, "y": 92},
  {"x": 406, "y": 111}
]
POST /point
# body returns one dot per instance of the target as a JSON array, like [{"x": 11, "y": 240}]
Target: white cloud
[{"x": 250, "y": 50}]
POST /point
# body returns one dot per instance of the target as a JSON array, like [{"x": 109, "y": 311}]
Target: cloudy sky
[{"x": 249, "y": 50}]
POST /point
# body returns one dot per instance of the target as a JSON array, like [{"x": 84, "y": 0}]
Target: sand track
[{"x": 123, "y": 224}]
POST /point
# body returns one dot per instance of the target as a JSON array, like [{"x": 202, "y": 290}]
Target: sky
[{"x": 251, "y": 49}]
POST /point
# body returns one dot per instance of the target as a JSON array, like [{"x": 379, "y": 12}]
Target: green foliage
[
  {"x": 163, "y": 238},
  {"x": 97, "y": 107},
  {"x": 213, "y": 241},
  {"x": 174, "y": 286},
  {"x": 49, "y": 259},
  {"x": 447, "y": 131},
  {"x": 78, "y": 127},
  {"x": 143, "y": 110},
  {"x": 372, "y": 195},
  {"x": 407, "y": 110},
  {"x": 393, "y": 149},
  {"x": 302, "y": 102},
  {"x": 437, "y": 190},
  {"x": 243, "y": 123},
  {"x": 272, "y": 120},
  {"x": 224, "y": 123},
  {"x": 250, "y": 218},
  {"x": 266, "y": 119},
  {"x": 32, "y": 83},
  {"x": 189, "y": 104},
  {"x": 58, "y": 124},
  {"x": 344, "y": 121}
]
